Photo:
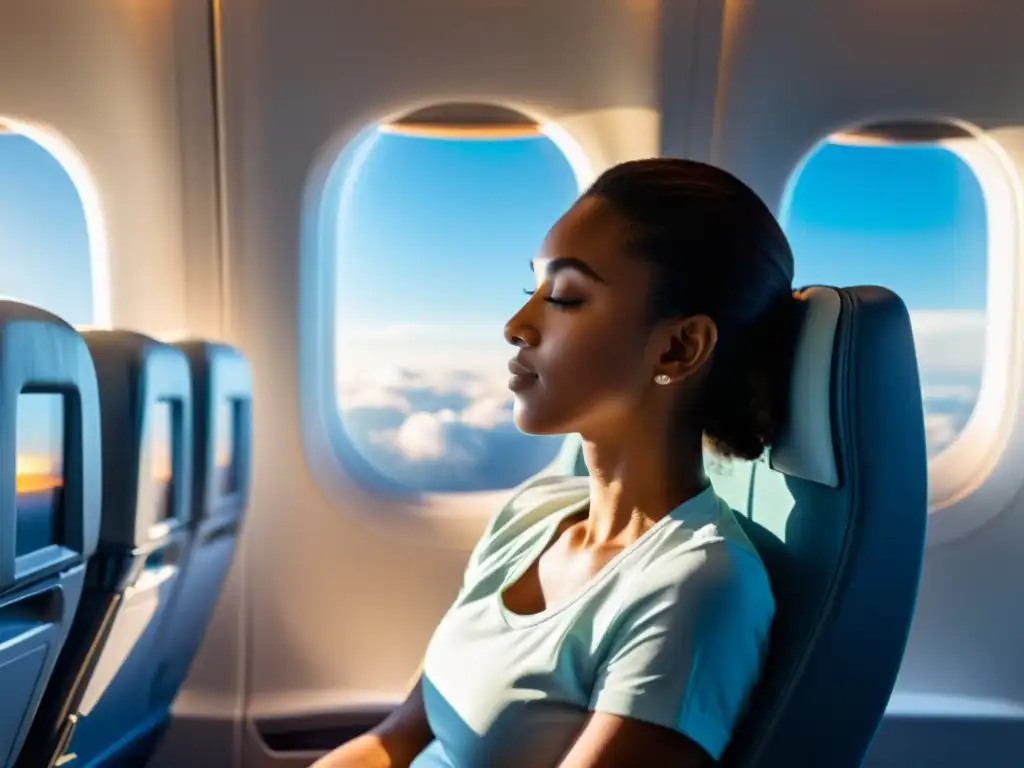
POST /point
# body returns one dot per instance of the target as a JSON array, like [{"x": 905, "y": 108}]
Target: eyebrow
[{"x": 554, "y": 266}]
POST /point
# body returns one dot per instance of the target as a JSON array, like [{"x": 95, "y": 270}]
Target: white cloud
[
  {"x": 948, "y": 408},
  {"x": 445, "y": 414},
  {"x": 432, "y": 437},
  {"x": 962, "y": 392},
  {"x": 373, "y": 398},
  {"x": 949, "y": 341},
  {"x": 947, "y": 320},
  {"x": 473, "y": 377},
  {"x": 423, "y": 347},
  {"x": 488, "y": 412},
  {"x": 422, "y": 436},
  {"x": 940, "y": 430},
  {"x": 428, "y": 407}
]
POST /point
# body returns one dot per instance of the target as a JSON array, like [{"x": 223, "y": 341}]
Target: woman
[{"x": 620, "y": 619}]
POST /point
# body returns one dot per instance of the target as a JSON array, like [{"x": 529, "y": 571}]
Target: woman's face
[{"x": 587, "y": 350}]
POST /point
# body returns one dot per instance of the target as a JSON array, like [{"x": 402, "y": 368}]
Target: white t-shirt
[{"x": 672, "y": 631}]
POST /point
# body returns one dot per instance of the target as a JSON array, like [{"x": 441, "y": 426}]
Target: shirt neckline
[{"x": 694, "y": 506}]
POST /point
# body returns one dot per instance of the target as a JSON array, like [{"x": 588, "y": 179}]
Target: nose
[{"x": 520, "y": 331}]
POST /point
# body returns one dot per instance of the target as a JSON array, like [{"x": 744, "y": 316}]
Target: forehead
[{"x": 592, "y": 232}]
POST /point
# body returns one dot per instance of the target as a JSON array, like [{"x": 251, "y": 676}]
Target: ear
[{"x": 688, "y": 345}]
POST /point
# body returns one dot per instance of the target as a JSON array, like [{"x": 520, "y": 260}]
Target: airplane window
[
  {"x": 910, "y": 218},
  {"x": 434, "y": 239},
  {"x": 44, "y": 244}
]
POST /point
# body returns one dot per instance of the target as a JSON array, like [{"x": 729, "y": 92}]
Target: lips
[
  {"x": 522, "y": 377},
  {"x": 516, "y": 368}
]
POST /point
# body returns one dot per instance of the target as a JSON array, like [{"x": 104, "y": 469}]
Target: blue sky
[
  {"x": 476, "y": 207},
  {"x": 434, "y": 246},
  {"x": 44, "y": 247},
  {"x": 911, "y": 219}
]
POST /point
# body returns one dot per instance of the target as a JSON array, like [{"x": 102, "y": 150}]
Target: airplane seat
[
  {"x": 50, "y": 459},
  {"x": 222, "y": 429},
  {"x": 97, "y": 699},
  {"x": 838, "y": 515}
]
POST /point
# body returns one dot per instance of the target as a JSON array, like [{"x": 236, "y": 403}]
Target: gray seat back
[
  {"x": 50, "y": 476},
  {"x": 838, "y": 516},
  {"x": 222, "y": 419},
  {"x": 146, "y": 394},
  {"x": 106, "y": 674}
]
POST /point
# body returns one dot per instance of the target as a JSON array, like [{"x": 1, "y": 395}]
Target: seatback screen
[
  {"x": 39, "y": 471},
  {"x": 161, "y": 452},
  {"x": 225, "y": 463}
]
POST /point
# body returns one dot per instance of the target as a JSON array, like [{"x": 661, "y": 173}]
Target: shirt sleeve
[
  {"x": 687, "y": 655},
  {"x": 477, "y": 555},
  {"x": 492, "y": 537}
]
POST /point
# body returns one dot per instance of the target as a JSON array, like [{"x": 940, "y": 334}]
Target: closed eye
[{"x": 556, "y": 301}]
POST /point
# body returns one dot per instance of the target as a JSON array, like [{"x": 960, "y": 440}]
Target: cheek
[
  {"x": 598, "y": 360},
  {"x": 586, "y": 373}
]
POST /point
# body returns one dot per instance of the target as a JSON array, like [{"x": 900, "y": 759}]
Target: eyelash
[{"x": 564, "y": 303}]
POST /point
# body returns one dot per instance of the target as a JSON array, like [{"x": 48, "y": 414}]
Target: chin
[{"x": 530, "y": 422}]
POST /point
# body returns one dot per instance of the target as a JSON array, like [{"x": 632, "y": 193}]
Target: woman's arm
[
  {"x": 394, "y": 743},
  {"x": 610, "y": 741}
]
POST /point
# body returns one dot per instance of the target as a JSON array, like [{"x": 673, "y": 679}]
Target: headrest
[
  {"x": 804, "y": 447},
  {"x": 146, "y": 403},
  {"x": 222, "y": 419},
  {"x": 40, "y": 354}
]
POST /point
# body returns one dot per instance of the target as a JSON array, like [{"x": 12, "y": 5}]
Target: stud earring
[{"x": 662, "y": 378}]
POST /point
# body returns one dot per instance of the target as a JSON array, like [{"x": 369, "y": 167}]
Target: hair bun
[{"x": 748, "y": 392}]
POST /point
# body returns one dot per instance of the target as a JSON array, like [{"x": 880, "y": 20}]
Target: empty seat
[
  {"x": 50, "y": 508},
  {"x": 839, "y": 519},
  {"x": 222, "y": 428},
  {"x": 100, "y": 694}
]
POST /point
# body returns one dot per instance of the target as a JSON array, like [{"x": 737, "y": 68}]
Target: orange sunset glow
[
  {"x": 35, "y": 473},
  {"x": 223, "y": 459},
  {"x": 161, "y": 466}
]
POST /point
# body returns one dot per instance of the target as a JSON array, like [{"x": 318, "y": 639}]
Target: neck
[{"x": 636, "y": 480}]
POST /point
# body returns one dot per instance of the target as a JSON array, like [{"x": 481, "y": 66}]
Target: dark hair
[{"x": 719, "y": 252}]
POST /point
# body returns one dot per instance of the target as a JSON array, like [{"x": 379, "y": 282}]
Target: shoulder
[
  {"x": 720, "y": 565},
  {"x": 527, "y": 506},
  {"x": 537, "y": 499},
  {"x": 704, "y": 585},
  {"x": 547, "y": 492},
  {"x": 709, "y": 556},
  {"x": 731, "y": 595}
]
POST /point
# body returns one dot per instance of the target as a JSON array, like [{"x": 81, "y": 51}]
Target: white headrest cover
[{"x": 804, "y": 447}]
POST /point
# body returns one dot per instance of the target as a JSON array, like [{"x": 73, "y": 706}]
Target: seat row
[{"x": 124, "y": 478}]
